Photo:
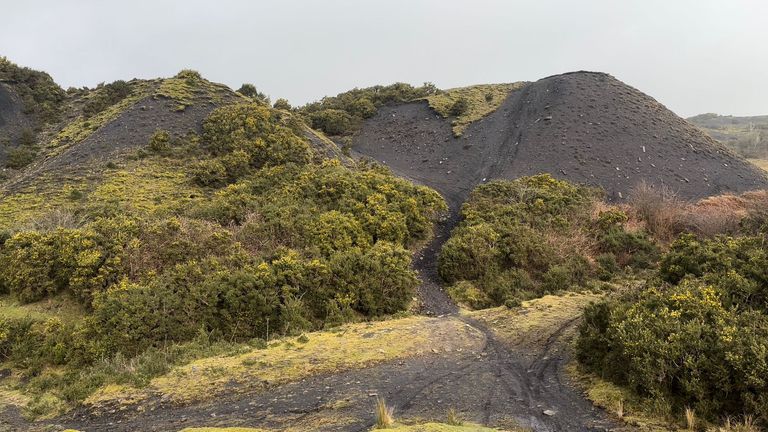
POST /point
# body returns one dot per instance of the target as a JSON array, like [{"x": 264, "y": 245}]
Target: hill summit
[{"x": 585, "y": 127}]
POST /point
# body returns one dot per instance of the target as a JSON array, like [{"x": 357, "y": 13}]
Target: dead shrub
[{"x": 660, "y": 209}]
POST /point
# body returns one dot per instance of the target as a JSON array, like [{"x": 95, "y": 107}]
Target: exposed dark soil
[
  {"x": 496, "y": 385},
  {"x": 12, "y": 119},
  {"x": 584, "y": 127}
]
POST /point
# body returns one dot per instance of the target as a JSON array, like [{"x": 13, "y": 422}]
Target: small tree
[{"x": 251, "y": 91}]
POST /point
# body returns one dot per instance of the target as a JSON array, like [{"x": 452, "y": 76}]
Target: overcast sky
[{"x": 692, "y": 55}]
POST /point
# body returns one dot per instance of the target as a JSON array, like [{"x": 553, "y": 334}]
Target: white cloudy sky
[{"x": 692, "y": 55}]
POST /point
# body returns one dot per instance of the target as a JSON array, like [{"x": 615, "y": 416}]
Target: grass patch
[
  {"x": 761, "y": 163},
  {"x": 348, "y": 347},
  {"x": 481, "y": 100},
  {"x": 146, "y": 186},
  {"x": 60, "y": 306},
  {"x": 152, "y": 186},
  {"x": 178, "y": 90},
  {"x": 622, "y": 403},
  {"x": 540, "y": 317}
]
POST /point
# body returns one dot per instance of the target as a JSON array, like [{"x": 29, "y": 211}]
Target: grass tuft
[
  {"x": 690, "y": 419},
  {"x": 453, "y": 419},
  {"x": 384, "y": 414}
]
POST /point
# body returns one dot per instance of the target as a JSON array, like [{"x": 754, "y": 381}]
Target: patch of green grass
[
  {"x": 151, "y": 186},
  {"x": 623, "y": 404},
  {"x": 61, "y": 306},
  {"x": 179, "y": 90},
  {"x": 361, "y": 345},
  {"x": 33, "y": 202},
  {"x": 147, "y": 186},
  {"x": 481, "y": 100}
]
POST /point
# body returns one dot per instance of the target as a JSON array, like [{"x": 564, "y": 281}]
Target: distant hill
[{"x": 747, "y": 136}]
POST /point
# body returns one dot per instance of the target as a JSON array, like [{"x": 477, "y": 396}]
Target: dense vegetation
[
  {"x": 105, "y": 96},
  {"x": 280, "y": 246},
  {"x": 697, "y": 335},
  {"x": 42, "y": 97},
  {"x": 535, "y": 235},
  {"x": 343, "y": 114}
]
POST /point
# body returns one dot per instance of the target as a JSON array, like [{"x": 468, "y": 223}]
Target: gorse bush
[
  {"x": 515, "y": 241},
  {"x": 697, "y": 336},
  {"x": 251, "y": 91},
  {"x": 342, "y": 114},
  {"x": 105, "y": 96},
  {"x": 245, "y": 137}
]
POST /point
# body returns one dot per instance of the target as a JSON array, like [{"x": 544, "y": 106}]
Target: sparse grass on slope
[
  {"x": 290, "y": 359},
  {"x": 82, "y": 127},
  {"x": 481, "y": 99},
  {"x": 542, "y": 317}
]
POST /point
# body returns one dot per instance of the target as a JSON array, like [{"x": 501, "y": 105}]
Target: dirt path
[{"x": 496, "y": 385}]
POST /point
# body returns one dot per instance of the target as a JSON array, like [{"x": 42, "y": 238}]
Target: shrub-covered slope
[{"x": 241, "y": 232}]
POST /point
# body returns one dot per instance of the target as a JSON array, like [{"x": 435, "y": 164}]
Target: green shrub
[
  {"x": 460, "y": 107},
  {"x": 469, "y": 253},
  {"x": 251, "y": 91},
  {"x": 209, "y": 172},
  {"x": 557, "y": 278},
  {"x": 466, "y": 293},
  {"x": 160, "y": 142},
  {"x": 332, "y": 121},
  {"x": 343, "y": 114},
  {"x": 19, "y": 157},
  {"x": 504, "y": 243},
  {"x": 380, "y": 279},
  {"x": 255, "y": 130},
  {"x": 334, "y": 231},
  {"x": 683, "y": 345},
  {"x": 83, "y": 261},
  {"x": 191, "y": 77},
  {"x": 607, "y": 266},
  {"x": 105, "y": 96},
  {"x": 282, "y": 104}
]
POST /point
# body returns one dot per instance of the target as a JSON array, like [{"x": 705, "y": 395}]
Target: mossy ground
[
  {"x": 149, "y": 186},
  {"x": 622, "y": 403},
  {"x": 483, "y": 99},
  {"x": 290, "y": 359},
  {"x": 536, "y": 320},
  {"x": 61, "y": 307}
]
